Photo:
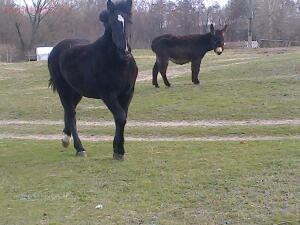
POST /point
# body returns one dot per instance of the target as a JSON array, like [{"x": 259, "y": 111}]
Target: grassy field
[
  {"x": 159, "y": 183},
  {"x": 265, "y": 86}
]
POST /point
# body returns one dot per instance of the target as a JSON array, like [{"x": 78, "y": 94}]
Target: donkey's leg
[
  {"x": 154, "y": 74},
  {"x": 119, "y": 114},
  {"x": 163, "y": 65},
  {"x": 195, "y": 71}
]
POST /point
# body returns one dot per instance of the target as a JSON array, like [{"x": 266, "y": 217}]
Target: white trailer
[{"x": 42, "y": 53}]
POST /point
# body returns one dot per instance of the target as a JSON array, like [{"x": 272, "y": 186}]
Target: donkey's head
[
  {"x": 217, "y": 39},
  {"x": 116, "y": 17}
]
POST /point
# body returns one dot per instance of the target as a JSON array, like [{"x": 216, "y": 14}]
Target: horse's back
[
  {"x": 54, "y": 58},
  {"x": 64, "y": 45}
]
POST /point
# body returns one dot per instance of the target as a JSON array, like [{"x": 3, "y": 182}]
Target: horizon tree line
[{"x": 45, "y": 22}]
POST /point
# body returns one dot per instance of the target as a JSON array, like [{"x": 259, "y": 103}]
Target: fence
[
  {"x": 266, "y": 43},
  {"x": 7, "y": 53}
]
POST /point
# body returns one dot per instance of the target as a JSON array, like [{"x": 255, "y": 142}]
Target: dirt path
[
  {"x": 132, "y": 123},
  {"x": 169, "y": 139},
  {"x": 169, "y": 124}
]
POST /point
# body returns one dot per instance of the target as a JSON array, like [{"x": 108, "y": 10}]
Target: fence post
[
  {"x": 250, "y": 25},
  {"x": 7, "y": 59}
]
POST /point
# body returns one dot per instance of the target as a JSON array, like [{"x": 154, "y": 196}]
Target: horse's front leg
[
  {"x": 195, "y": 71},
  {"x": 120, "y": 121}
]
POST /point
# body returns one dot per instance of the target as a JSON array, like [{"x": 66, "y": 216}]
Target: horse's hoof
[
  {"x": 65, "y": 141},
  {"x": 196, "y": 82},
  {"x": 156, "y": 86},
  {"x": 118, "y": 157},
  {"x": 81, "y": 154}
]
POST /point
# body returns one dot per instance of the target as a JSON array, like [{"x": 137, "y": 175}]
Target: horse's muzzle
[{"x": 124, "y": 55}]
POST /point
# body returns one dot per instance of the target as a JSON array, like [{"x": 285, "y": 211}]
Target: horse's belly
[{"x": 179, "y": 61}]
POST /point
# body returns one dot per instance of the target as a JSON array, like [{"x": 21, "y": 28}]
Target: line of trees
[{"x": 31, "y": 23}]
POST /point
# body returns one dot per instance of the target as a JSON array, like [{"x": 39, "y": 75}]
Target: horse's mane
[{"x": 119, "y": 6}]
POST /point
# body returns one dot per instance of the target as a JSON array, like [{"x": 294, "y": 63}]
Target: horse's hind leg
[
  {"x": 70, "y": 114},
  {"x": 69, "y": 100},
  {"x": 154, "y": 74},
  {"x": 67, "y": 130},
  {"x": 120, "y": 117}
]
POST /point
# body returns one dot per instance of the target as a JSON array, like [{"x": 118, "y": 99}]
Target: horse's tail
[
  {"x": 51, "y": 84},
  {"x": 153, "y": 45},
  {"x": 51, "y": 67}
]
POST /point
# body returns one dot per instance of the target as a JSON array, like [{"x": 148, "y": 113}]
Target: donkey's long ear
[
  {"x": 212, "y": 29},
  {"x": 110, "y": 6},
  {"x": 225, "y": 28}
]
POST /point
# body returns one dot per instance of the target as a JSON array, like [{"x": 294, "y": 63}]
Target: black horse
[
  {"x": 103, "y": 70},
  {"x": 184, "y": 49}
]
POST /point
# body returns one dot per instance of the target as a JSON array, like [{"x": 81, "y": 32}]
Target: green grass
[
  {"x": 264, "y": 88},
  {"x": 159, "y": 183}
]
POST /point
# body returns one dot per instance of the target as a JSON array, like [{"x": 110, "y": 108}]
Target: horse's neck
[
  {"x": 107, "y": 34},
  {"x": 105, "y": 41}
]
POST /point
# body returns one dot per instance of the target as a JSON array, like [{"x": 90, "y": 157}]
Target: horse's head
[
  {"x": 217, "y": 39},
  {"x": 116, "y": 17}
]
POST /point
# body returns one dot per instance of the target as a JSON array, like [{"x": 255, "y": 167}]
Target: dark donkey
[
  {"x": 184, "y": 49},
  {"x": 103, "y": 70}
]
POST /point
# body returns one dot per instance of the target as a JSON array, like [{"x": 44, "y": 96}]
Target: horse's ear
[
  {"x": 110, "y": 6},
  {"x": 225, "y": 28},
  {"x": 103, "y": 17},
  {"x": 212, "y": 29},
  {"x": 129, "y": 3}
]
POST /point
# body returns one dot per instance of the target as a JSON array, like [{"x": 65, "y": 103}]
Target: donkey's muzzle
[{"x": 219, "y": 50}]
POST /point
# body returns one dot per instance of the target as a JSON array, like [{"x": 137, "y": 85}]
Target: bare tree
[
  {"x": 24, "y": 25},
  {"x": 36, "y": 12}
]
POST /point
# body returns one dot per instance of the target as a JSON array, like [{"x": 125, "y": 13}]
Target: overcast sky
[
  {"x": 221, "y": 2},
  {"x": 207, "y": 2}
]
